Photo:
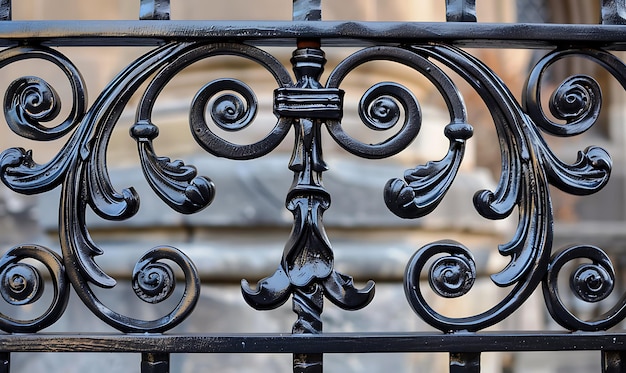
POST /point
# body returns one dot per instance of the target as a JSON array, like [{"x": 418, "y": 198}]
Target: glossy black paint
[
  {"x": 154, "y": 9},
  {"x": 461, "y": 10},
  {"x": 5, "y": 10},
  {"x": 613, "y": 12},
  {"x": 331, "y": 33},
  {"x": 306, "y": 272},
  {"x": 465, "y": 362}
]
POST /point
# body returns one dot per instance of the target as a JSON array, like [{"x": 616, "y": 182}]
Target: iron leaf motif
[{"x": 307, "y": 267}]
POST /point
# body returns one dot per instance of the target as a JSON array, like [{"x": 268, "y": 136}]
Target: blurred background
[{"x": 242, "y": 234}]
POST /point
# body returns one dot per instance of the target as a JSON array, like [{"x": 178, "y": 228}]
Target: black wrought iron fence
[{"x": 306, "y": 106}]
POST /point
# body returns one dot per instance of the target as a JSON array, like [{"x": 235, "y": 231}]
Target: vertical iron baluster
[
  {"x": 154, "y": 10},
  {"x": 5, "y": 360},
  {"x": 308, "y": 194},
  {"x": 307, "y": 10},
  {"x": 613, "y": 12},
  {"x": 613, "y": 361},
  {"x": 155, "y": 362},
  {"x": 306, "y": 271},
  {"x": 5, "y": 10},
  {"x": 308, "y": 304},
  {"x": 461, "y": 10},
  {"x": 464, "y": 362}
]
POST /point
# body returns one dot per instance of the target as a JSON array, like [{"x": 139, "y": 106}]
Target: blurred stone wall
[{"x": 241, "y": 235}]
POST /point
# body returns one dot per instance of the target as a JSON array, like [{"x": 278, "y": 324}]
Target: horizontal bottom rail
[{"x": 320, "y": 343}]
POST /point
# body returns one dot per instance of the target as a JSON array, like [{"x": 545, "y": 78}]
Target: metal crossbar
[{"x": 304, "y": 104}]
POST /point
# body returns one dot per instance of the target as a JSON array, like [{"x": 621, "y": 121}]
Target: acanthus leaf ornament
[
  {"x": 425, "y": 186},
  {"x": 29, "y": 101},
  {"x": 307, "y": 267},
  {"x": 176, "y": 183}
]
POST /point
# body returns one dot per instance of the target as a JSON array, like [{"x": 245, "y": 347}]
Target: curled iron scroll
[
  {"x": 30, "y": 101},
  {"x": 380, "y": 106},
  {"x": 589, "y": 282},
  {"x": 81, "y": 168},
  {"x": 22, "y": 284},
  {"x": 528, "y": 166},
  {"x": 232, "y": 113},
  {"x": 423, "y": 188}
]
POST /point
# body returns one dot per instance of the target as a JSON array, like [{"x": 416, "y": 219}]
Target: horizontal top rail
[{"x": 277, "y": 33}]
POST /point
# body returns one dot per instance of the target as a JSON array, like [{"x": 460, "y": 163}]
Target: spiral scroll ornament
[
  {"x": 452, "y": 276},
  {"x": 233, "y": 106},
  {"x": 22, "y": 284},
  {"x": 380, "y": 106},
  {"x": 578, "y": 96},
  {"x": 230, "y": 111},
  {"x": 154, "y": 283},
  {"x": 591, "y": 282},
  {"x": 576, "y": 101},
  {"x": 30, "y": 101},
  {"x": 379, "y": 109}
]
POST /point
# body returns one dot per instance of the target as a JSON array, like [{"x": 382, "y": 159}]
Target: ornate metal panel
[{"x": 306, "y": 106}]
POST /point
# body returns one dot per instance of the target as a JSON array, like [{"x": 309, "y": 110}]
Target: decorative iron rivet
[
  {"x": 154, "y": 283},
  {"x": 451, "y": 276},
  {"x": 21, "y": 284},
  {"x": 591, "y": 283}
]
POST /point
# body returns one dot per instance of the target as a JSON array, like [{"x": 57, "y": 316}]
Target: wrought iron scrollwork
[
  {"x": 424, "y": 187},
  {"x": 230, "y": 112},
  {"x": 579, "y": 106},
  {"x": 80, "y": 167},
  {"x": 22, "y": 284},
  {"x": 306, "y": 271},
  {"x": 589, "y": 282},
  {"x": 528, "y": 167},
  {"x": 29, "y": 101}
]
